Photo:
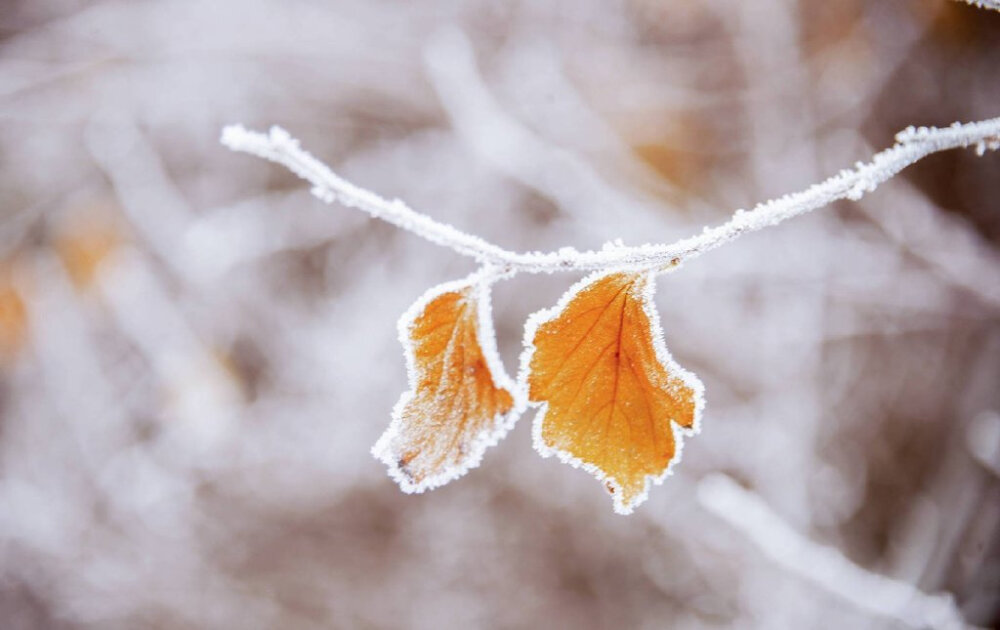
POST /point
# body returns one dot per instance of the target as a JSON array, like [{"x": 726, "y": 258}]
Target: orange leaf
[
  {"x": 613, "y": 400},
  {"x": 460, "y": 400}
]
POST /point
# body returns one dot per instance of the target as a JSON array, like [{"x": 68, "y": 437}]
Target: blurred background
[{"x": 196, "y": 355}]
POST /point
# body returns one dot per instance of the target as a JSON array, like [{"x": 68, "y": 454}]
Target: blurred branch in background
[{"x": 822, "y": 565}]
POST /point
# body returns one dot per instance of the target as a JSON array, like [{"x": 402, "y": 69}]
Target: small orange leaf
[
  {"x": 460, "y": 400},
  {"x": 610, "y": 392}
]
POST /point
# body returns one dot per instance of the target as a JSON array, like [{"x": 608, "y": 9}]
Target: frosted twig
[
  {"x": 912, "y": 145},
  {"x": 279, "y": 146},
  {"x": 823, "y": 565},
  {"x": 985, "y": 4}
]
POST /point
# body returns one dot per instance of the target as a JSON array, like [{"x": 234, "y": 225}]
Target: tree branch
[
  {"x": 913, "y": 144},
  {"x": 985, "y": 4}
]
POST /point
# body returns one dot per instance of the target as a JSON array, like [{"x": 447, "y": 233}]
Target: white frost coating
[
  {"x": 913, "y": 145},
  {"x": 384, "y": 450},
  {"x": 823, "y": 565},
  {"x": 663, "y": 356}
]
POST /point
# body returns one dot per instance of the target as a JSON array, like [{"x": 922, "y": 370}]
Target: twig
[
  {"x": 823, "y": 565},
  {"x": 912, "y": 145},
  {"x": 985, "y": 4}
]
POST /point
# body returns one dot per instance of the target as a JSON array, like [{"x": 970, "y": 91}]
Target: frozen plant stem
[
  {"x": 985, "y": 4},
  {"x": 912, "y": 144}
]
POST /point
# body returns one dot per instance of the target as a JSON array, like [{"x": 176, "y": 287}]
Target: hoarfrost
[{"x": 912, "y": 145}]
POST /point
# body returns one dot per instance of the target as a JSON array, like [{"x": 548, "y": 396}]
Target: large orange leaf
[
  {"x": 460, "y": 400},
  {"x": 611, "y": 395}
]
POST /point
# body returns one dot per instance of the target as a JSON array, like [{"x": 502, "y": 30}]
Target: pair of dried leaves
[{"x": 612, "y": 399}]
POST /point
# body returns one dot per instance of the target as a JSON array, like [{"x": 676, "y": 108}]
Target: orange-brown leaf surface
[
  {"x": 455, "y": 408},
  {"x": 611, "y": 391}
]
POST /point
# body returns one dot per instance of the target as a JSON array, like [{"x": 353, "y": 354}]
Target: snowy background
[{"x": 196, "y": 356}]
